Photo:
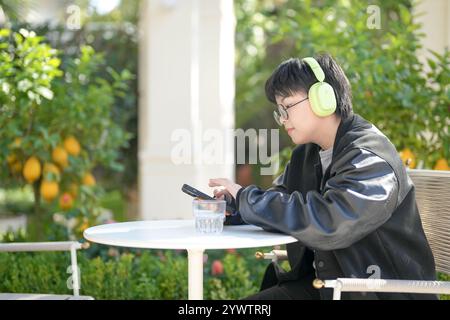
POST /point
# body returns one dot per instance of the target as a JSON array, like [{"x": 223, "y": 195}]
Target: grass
[
  {"x": 16, "y": 201},
  {"x": 115, "y": 202},
  {"x": 20, "y": 200}
]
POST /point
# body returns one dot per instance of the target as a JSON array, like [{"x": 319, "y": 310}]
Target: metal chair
[
  {"x": 71, "y": 246},
  {"x": 433, "y": 201}
]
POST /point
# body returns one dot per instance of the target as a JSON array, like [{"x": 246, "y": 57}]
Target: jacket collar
[{"x": 345, "y": 126}]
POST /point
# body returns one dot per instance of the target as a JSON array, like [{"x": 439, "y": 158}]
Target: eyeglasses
[{"x": 281, "y": 114}]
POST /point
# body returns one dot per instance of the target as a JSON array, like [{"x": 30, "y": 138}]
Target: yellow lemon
[
  {"x": 16, "y": 167},
  {"x": 49, "y": 190},
  {"x": 441, "y": 164},
  {"x": 59, "y": 156},
  {"x": 408, "y": 158},
  {"x": 84, "y": 225},
  {"x": 66, "y": 201},
  {"x": 14, "y": 163},
  {"x": 11, "y": 158},
  {"x": 16, "y": 144},
  {"x": 51, "y": 168},
  {"x": 72, "y": 146},
  {"x": 89, "y": 180},
  {"x": 73, "y": 189},
  {"x": 32, "y": 169}
]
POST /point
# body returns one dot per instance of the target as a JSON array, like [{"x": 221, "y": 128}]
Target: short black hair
[{"x": 295, "y": 75}]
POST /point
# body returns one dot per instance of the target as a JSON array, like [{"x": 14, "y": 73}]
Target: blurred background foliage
[
  {"x": 406, "y": 97},
  {"x": 94, "y": 61},
  {"x": 108, "y": 28},
  {"x": 57, "y": 127}
]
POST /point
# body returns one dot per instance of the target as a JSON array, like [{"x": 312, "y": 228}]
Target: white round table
[{"x": 181, "y": 234}]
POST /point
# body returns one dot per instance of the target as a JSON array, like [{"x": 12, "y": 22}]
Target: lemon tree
[{"x": 57, "y": 126}]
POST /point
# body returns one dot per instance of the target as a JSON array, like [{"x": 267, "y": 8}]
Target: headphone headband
[{"x": 316, "y": 68}]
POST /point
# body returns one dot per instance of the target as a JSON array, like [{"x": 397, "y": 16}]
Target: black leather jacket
[{"x": 359, "y": 218}]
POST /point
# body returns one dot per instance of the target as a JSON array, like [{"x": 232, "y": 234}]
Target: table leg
[{"x": 195, "y": 271}]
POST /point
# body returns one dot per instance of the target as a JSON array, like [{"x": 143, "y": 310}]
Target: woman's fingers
[
  {"x": 220, "y": 193},
  {"x": 219, "y": 182},
  {"x": 229, "y": 185},
  {"x": 219, "y": 196}
]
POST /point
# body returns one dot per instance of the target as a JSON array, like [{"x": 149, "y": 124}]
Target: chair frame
[{"x": 71, "y": 246}]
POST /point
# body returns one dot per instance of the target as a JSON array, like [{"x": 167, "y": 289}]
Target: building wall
[
  {"x": 435, "y": 21},
  {"x": 186, "y": 82}
]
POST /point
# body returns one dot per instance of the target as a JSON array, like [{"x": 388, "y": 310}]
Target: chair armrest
[
  {"x": 383, "y": 285},
  {"x": 42, "y": 246},
  {"x": 274, "y": 255}
]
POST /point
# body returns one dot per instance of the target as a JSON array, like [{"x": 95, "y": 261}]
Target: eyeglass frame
[{"x": 282, "y": 111}]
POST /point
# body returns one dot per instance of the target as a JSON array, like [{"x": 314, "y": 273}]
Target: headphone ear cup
[{"x": 322, "y": 99}]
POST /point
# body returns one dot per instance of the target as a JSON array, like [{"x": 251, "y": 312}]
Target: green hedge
[{"x": 149, "y": 274}]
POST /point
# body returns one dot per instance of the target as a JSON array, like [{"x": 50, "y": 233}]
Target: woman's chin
[
  {"x": 300, "y": 140},
  {"x": 297, "y": 140}
]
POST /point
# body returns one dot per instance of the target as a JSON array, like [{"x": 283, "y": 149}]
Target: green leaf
[{"x": 5, "y": 33}]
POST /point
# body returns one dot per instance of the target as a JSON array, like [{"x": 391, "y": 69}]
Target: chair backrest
[{"x": 433, "y": 200}]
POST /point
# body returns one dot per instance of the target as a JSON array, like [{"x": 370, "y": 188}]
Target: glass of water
[{"x": 209, "y": 215}]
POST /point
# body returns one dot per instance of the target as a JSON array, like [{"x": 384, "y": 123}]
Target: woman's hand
[{"x": 228, "y": 187}]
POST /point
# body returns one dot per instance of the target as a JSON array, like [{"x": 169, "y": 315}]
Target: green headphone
[{"x": 321, "y": 94}]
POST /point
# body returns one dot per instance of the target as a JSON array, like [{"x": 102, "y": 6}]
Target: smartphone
[
  {"x": 195, "y": 193},
  {"x": 198, "y": 194}
]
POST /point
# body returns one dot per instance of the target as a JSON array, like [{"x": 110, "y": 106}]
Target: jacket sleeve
[
  {"x": 279, "y": 184},
  {"x": 359, "y": 197}
]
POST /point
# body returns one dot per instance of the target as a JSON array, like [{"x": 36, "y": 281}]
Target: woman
[{"x": 344, "y": 194}]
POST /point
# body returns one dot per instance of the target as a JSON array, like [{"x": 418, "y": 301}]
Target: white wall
[
  {"x": 435, "y": 23},
  {"x": 186, "y": 79}
]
